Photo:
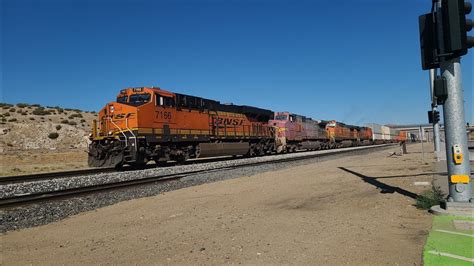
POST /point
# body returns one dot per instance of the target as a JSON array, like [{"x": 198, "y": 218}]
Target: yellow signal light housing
[{"x": 460, "y": 179}]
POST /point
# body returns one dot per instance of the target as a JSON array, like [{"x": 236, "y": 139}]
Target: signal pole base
[{"x": 462, "y": 209}]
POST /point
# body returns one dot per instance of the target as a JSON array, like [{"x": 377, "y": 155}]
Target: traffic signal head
[
  {"x": 455, "y": 27},
  {"x": 428, "y": 42},
  {"x": 436, "y": 117}
]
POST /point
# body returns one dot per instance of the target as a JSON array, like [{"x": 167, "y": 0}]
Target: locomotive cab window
[
  {"x": 281, "y": 117},
  {"x": 139, "y": 99},
  {"x": 122, "y": 99},
  {"x": 164, "y": 101}
]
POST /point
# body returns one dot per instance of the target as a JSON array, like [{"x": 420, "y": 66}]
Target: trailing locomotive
[
  {"x": 153, "y": 124},
  {"x": 298, "y": 132},
  {"x": 149, "y": 123}
]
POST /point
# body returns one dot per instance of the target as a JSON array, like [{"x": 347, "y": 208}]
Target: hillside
[{"x": 36, "y": 138}]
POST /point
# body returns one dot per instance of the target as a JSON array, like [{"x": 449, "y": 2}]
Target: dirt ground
[
  {"x": 322, "y": 213},
  {"x": 42, "y": 161}
]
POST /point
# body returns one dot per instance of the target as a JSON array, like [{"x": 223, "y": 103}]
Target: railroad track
[
  {"x": 25, "y": 199},
  {"x": 52, "y": 175}
]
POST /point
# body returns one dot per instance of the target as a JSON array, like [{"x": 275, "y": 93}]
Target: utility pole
[
  {"x": 457, "y": 152},
  {"x": 434, "y": 107},
  {"x": 443, "y": 36}
]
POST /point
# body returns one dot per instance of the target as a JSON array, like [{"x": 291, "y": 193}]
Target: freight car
[
  {"x": 149, "y": 123},
  {"x": 383, "y": 134}
]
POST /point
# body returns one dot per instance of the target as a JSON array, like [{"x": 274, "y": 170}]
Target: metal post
[
  {"x": 422, "y": 148},
  {"x": 454, "y": 125},
  {"x": 434, "y": 107}
]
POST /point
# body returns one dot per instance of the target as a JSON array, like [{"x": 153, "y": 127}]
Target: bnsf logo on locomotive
[
  {"x": 229, "y": 121},
  {"x": 122, "y": 116}
]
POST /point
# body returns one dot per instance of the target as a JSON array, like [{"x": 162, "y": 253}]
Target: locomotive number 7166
[{"x": 163, "y": 115}]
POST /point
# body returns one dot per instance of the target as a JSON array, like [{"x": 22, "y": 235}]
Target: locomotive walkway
[{"x": 354, "y": 210}]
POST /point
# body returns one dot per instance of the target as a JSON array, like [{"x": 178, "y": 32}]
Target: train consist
[{"x": 146, "y": 124}]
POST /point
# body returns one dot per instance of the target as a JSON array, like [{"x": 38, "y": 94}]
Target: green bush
[
  {"x": 22, "y": 105},
  {"x": 75, "y": 115},
  {"x": 58, "y": 127},
  {"x": 40, "y": 111},
  {"x": 12, "y": 120},
  {"x": 429, "y": 198},
  {"x": 53, "y": 135},
  {"x": 5, "y": 105}
]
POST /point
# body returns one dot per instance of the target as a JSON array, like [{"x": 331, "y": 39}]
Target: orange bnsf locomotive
[
  {"x": 146, "y": 124},
  {"x": 153, "y": 124}
]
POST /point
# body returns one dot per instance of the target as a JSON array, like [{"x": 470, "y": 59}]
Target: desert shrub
[
  {"x": 36, "y": 105},
  {"x": 40, "y": 111},
  {"x": 64, "y": 121},
  {"x": 58, "y": 127},
  {"x": 429, "y": 198},
  {"x": 6, "y": 114},
  {"x": 12, "y": 120},
  {"x": 24, "y": 113},
  {"x": 19, "y": 111},
  {"x": 72, "y": 123},
  {"x": 4, "y": 120},
  {"x": 75, "y": 115},
  {"x": 22, "y": 105},
  {"x": 12, "y": 110},
  {"x": 5, "y": 105},
  {"x": 83, "y": 120},
  {"x": 32, "y": 118},
  {"x": 53, "y": 135}
]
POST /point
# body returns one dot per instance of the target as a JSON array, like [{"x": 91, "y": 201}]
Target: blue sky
[{"x": 355, "y": 61}]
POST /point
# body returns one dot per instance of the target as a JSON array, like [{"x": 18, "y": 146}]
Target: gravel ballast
[{"x": 50, "y": 211}]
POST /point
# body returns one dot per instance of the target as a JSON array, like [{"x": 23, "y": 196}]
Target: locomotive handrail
[
  {"x": 121, "y": 131},
  {"x": 131, "y": 132}
]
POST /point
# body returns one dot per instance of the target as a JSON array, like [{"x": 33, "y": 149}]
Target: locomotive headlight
[
  {"x": 112, "y": 108},
  {"x": 110, "y": 133}
]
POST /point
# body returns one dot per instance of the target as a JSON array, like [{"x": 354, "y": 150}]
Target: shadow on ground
[{"x": 382, "y": 186}]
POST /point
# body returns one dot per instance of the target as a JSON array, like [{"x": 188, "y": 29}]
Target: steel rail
[{"x": 4, "y": 180}]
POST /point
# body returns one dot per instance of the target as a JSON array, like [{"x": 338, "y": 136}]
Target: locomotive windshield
[
  {"x": 122, "y": 99},
  {"x": 281, "y": 117},
  {"x": 139, "y": 99}
]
